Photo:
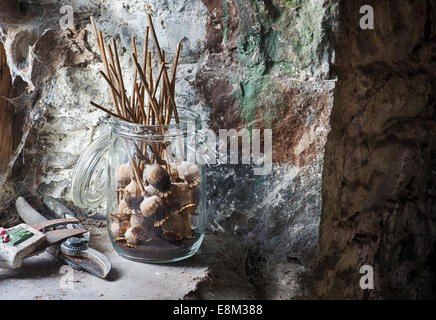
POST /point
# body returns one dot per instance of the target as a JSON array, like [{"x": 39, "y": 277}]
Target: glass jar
[{"x": 154, "y": 190}]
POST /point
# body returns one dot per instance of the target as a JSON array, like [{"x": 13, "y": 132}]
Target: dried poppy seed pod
[
  {"x": 122, "y": 206},
  {"x": 124, "y": 174},
  {"x": 151, "y": 191},
  {"x": 181, "y": 195},
  {"x": 158, "y": 177},
  {"x": 118, "y": 228},
  {"x": 132, "y": 190},
  {"x": 180, "y": 223},
  {"x": 134, "y": 235},
  {"x": 172, "y": 236},
  {"x": 188, "y": 171},
  {"x": 174, "y": 172},
  {"x": 137, "y": 220},
  {"x": 151, "y": 206},
  {"x": 124, "y": 210}
]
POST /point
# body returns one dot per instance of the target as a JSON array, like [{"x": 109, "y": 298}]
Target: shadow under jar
[{"x": 155, "y": 191}]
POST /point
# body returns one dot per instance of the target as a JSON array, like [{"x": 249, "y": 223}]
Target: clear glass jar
[{"x": 155, "y": 192}]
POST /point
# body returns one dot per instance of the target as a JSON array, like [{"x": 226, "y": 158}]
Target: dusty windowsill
[
  {"x": 43, "y": 278},
  {"x": 215, "y": 272}
]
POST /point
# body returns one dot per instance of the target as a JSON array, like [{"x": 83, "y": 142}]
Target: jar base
[{"x": 161, "y": 252}]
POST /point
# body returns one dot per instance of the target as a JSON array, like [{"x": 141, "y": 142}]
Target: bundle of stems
[{"x": 151, "y": 101}]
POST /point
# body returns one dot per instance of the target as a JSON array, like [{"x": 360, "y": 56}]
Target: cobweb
[
  {"x": 21, "y": 34},
  {"x": 20, "y": 31}
]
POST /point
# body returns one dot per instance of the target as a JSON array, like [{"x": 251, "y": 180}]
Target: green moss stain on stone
[
  {"x": 256, "y": 51},
  {"x": 278, "y": 39},
  {"x": 225, "y": 20},
  {"x": 296, "y": 4}
]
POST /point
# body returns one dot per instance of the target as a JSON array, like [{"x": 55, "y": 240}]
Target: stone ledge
[
  {"x": 222, "y": 269},
  {"x": 43, "y": 278}
]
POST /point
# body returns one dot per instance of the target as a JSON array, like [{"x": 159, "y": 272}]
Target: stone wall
[
  {"x": 379, "y": 171},
  {"x": 262, "y": 64},
  {"x": 267, "y": 66}
]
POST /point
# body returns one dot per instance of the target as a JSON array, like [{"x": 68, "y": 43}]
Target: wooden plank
[
  {"x": 6, "y": 112},
  {"x": 11, "y": 13}
]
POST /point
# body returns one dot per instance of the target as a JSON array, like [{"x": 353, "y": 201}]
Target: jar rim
[{"x": 189, "y": 123}]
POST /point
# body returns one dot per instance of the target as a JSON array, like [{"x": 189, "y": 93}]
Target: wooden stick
[
  {"x": 108, "y": 111},
  {"x": 106, "y": 66},
  {"x": 142, "y": 155},
  {"x": 99, "y": 38},
  {"x": 173, "y": 81},
  {"x": 175, "y": 63},
  {"x": 132, "y": 109},
  {"x": 145, "y": 54},
  {"x": 154, "y": 37},
  {"x": 162, "y": 96},
  {"x": 171, "y": 99},
  {"x": 116, "y": 76},
  {"x": 136, "y": 73},
  {"x": 124, "y": 102},
  {"x": 159, "y": 54},
  {"x": 144, "y": 68},
  {"x": 150, "y": 71},
  {"x": 120, "y": 74},
  {"x": 110, "y": 83},
  {"x": 156, "y": 154},
  {"x": 150, "y": 82},
  {"x": 149, "y": 114},
  {"x": 129, "y": 111},
  {"x": 141, "y": 102},
  {"x": 158, "y": 80},
  {"x": 150, "y": 97},
  {"x": 112, "y": 62}
]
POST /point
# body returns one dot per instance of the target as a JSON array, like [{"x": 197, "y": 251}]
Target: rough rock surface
[
  {"x": 258, "y": 64},
  {"x": 379, "y": 172},
  {"x": 262, "y": 64},
  {"x": 267, "y": 66}
]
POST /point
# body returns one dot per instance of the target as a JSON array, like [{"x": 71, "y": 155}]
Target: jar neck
[{"x": 186, "y": 127}]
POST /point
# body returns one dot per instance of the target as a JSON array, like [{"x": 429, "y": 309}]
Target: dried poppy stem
[
  {"x": 159, "y": 54},
  {"x": 116, "y": 92},
  {"x": 162, "y": 96},
  {"x": 135, "y": 168},
  {"x": 150, "y": 97},
  {"x": 120, "y": 75},
  {"x": 173, "y": 80},
  {"x": 141, "y": 103},
  {"x": 158, "y": 80},
  {"x": 110, "y": 83},
  {"x": 108, "y": 111},
  {"x": 145, "y": 53},
  {"x": 174, "y": 68},
  {"x": 133, "y": 95},
  {"x": 160, "y": 110},
  {"x": 106, "y": 66},
  {"x": 150, "y": 81},
  {"x": 100, "y": 43},
  {"x": 116, "y": 76}
]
